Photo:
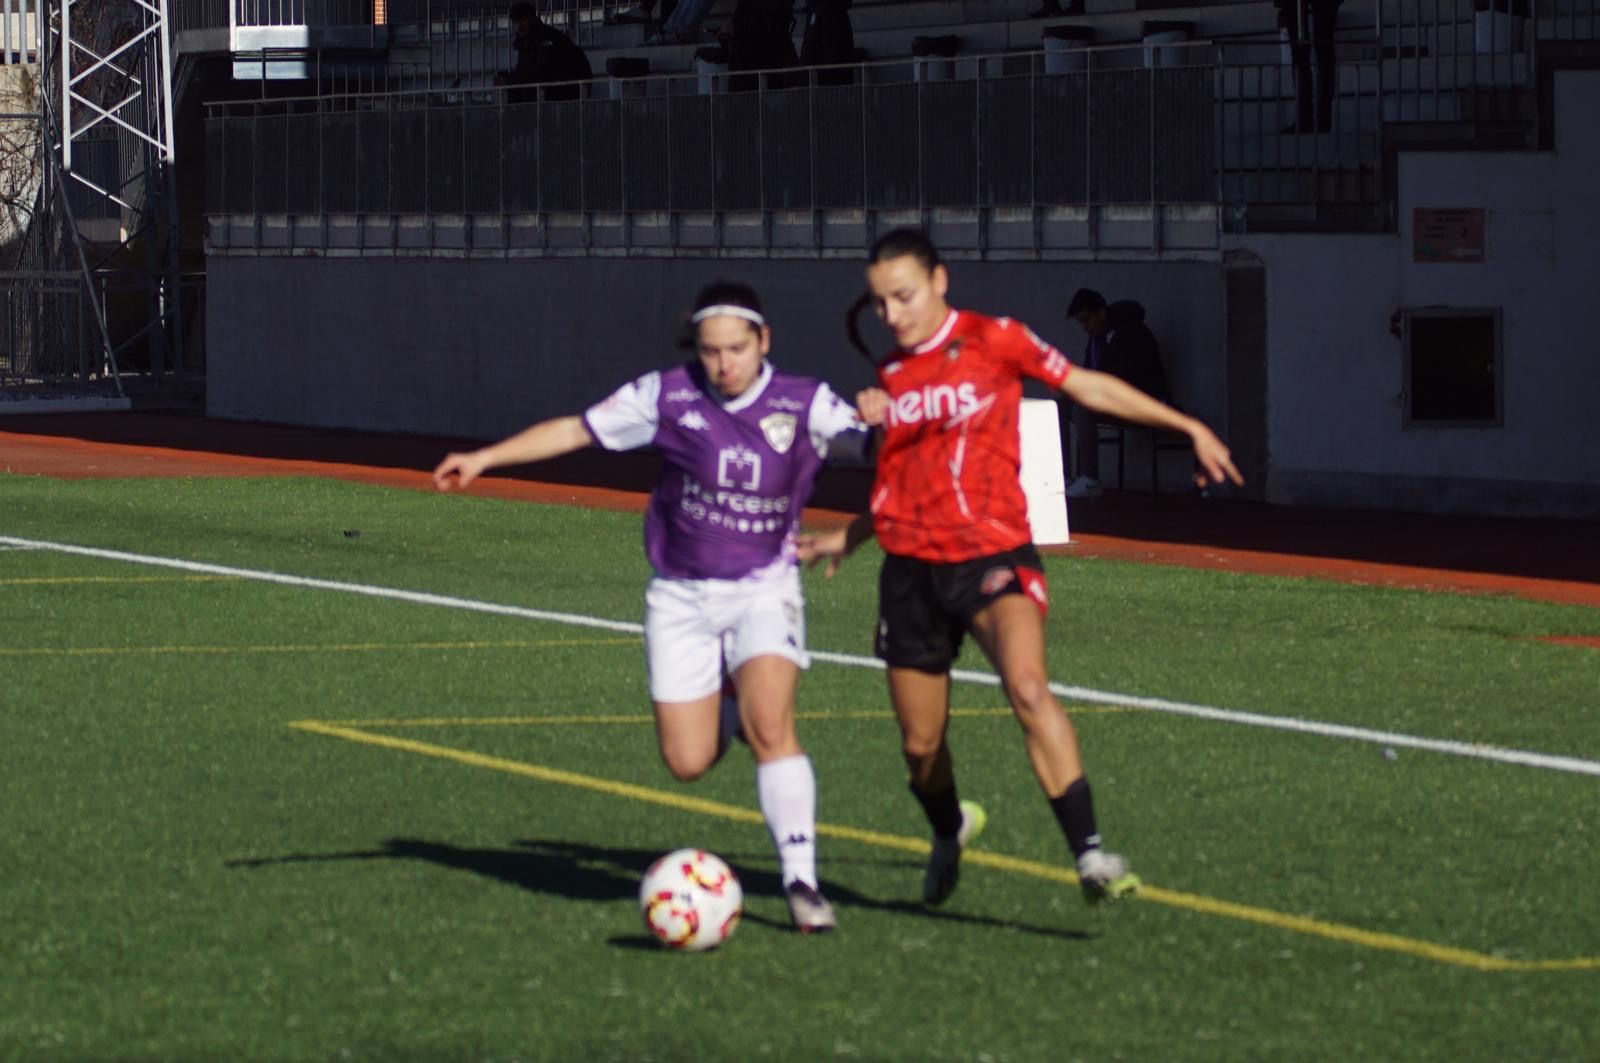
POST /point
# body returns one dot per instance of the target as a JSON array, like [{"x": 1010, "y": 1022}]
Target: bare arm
[
  {"x": 835, "y": 545},
  {"x": 1112, "y": 396},
  {"x": 547, "y": 439}
]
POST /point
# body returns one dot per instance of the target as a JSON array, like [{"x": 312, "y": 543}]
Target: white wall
[{"x": 1335, "y": 372}]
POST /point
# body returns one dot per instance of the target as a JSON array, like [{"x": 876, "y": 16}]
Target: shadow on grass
[{"x": 604, "y": 873}]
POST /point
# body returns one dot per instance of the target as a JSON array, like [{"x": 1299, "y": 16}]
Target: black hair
[
  {"x": 720, "y": 293},
  {"x": 1085, "y": 299},
  {"x": 897, "y": 243}
]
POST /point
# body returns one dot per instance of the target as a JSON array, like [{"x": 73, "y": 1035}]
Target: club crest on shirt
[
  {"x": 953, "y": 351},
  {"x": 779, "y": 429}
]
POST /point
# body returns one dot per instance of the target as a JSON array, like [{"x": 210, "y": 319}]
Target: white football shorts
[{"x": 697, "y": 631}]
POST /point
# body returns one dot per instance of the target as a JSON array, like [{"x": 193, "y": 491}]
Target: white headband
[{"x": 752, "y": 316}]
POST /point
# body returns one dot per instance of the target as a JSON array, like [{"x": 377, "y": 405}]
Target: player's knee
[
  {"x": 920, "y": 751},
  {"x": 770, "y": 734},
  {"x": 687, "y": 765},
  {"x": 1029, "y": 694}
]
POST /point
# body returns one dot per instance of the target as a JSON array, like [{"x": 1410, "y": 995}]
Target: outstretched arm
[
  {"x": 547, "y": 439},
  {"x": 835, "y": 545},
  {"x": 1110, "y": 395}
]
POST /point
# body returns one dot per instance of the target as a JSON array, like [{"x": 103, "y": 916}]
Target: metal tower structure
[
  {"x": 113, "y": 77},
  {"x": 103, "y": 234}
]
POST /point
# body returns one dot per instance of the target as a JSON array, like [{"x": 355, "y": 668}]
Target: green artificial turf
[{"x": 191, "y": 877}]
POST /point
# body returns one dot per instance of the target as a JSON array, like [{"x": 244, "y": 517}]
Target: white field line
[{"x": 1392, "y": 739}]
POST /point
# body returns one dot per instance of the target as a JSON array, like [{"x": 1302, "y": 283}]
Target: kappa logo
[
  {"x": 694, "y": 421},
  {"x": 779, "y": 428},
  {"x": 996, "y": 580}
]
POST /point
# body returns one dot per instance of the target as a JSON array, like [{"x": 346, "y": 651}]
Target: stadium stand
[{"x": 1201, "y": 107}]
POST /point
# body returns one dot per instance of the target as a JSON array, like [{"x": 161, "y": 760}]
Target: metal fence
[
  {"x": 1449, "y": 61},
  {"x": 1092, "y": 137},
  {"x": 1265, "y": 158},
  {"x": 48, "y": 332}
]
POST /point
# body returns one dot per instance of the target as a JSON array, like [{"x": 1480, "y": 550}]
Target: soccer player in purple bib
[{"x": 724, "y": 628}]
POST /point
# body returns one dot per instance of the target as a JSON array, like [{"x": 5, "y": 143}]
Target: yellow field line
[
  {"x": 1172, "y": 898},
  {"x": 645, "y": 718},
  {"x": 533, "y": 771},
  {"x": 348, "y": 647},
  {"x": 25, "y": 581}
]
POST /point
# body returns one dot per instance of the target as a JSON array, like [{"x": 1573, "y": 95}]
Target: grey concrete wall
[{"x": 479, "y": 348}]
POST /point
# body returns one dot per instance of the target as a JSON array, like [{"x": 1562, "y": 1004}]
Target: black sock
[
  {"x": 1075, "y": 812},
  {"x": 942, "y": 809}
]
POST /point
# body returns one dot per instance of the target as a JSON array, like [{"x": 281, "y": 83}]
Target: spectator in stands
[
  {"x": 829, "y": 39},
  {"x": 1119, "y": 343},
  {"x": 1310, "y": 25},
  {"x": 759, "y": 36},
  {"x": 683, "y": 25},
  {"x": 543, "y": 55}
]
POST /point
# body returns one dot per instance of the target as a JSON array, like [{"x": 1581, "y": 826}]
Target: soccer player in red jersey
[{"x": 949, "y": 511}]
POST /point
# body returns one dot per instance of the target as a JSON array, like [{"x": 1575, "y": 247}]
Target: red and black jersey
[{"x": 947, "y": 486}]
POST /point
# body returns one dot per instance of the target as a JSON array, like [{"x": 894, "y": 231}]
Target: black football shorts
[{"x": 925, "y": 607}]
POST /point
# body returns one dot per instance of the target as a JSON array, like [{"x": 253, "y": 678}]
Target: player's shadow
[{"x": 606, "y": 873}]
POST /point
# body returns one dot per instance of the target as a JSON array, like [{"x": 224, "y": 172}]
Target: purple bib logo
[{"x": 739, "y": 467}]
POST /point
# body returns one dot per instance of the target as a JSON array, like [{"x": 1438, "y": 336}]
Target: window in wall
[{"x": 1452, "y": 368}]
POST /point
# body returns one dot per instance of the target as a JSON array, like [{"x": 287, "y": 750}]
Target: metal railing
[
  {"x": 1114, "y": 136},
  {"x": 1269, "y": 156},
  {"x": 1113, "y": 125},
  {"x": 1449, "y": 61},
  {"x": 21, "y": 25},
  {"x": 48, "y": 333}
]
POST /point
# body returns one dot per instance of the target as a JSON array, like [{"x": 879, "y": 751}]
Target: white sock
[{"x": 787, "y": 790}]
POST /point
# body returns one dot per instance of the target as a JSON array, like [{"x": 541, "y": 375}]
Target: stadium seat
[{"x": 1113, "y": 433}]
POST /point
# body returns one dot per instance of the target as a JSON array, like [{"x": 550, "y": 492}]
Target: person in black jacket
[
  {"x": 543, "y": 55},
  {"x": 1119, "y": 343},
  {"x": 1310, "y": 25},
  {"x": 759, "y": 36},
  {"x": 829, "y": 38}
]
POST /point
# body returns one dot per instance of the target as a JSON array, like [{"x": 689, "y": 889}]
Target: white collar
[{"x": 938, "y": 338}]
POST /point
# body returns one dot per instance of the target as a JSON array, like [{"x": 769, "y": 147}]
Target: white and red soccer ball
[{"x": 691, "y": 900}]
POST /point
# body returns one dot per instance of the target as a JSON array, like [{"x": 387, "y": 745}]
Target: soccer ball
[{"x": 691, "y": 900}]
